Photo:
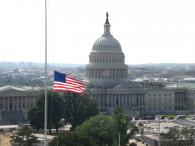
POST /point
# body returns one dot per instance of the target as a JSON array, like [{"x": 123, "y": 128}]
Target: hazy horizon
[{"x": 7, "y": 61}]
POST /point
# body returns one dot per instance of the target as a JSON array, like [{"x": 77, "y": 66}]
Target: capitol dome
[
  {"x": 106, "y": 43},
  {"x": 106, "y": 60}
]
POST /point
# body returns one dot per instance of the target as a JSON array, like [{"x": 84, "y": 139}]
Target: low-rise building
[{"x": 15, "y": 102}]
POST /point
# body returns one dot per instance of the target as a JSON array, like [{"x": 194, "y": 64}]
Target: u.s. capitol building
[{"x": 108, "y": 84}]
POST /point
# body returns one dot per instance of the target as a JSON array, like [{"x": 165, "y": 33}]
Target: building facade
[
  {"x": 15, "y": 102},
  {"x": 110, "y": 88}
]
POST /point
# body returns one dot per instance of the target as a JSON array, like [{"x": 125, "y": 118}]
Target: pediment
[{"x": 12, "y": 91}]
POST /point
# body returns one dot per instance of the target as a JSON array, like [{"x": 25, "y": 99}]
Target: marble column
[
  {"x": 108, "y": 100},
  {"x": 112, "y": 100},
  {"x": 96, "y": 73},
  {"x": 99, "y": 101},
  {"x": 22, "y": 103},
  {"x": 112, "y": 73},
  {"x": 14, "y": 103},
  {"x": 25, "y": 103},
  {"x": 119, "y": 100},
  {"x": 3, "y": 105},
  {"x": 126, "y": 99},
  {"x": 123, "y": 99},
  {"x": 18, "y": 103},
  {"x": 133, "y": 101},
  {"x": 143, "y": 99},
  {"x": 103, "y": 100},
  {"x": 6, "y": 108},
  {"x": 8, "y": 103},
  {"x": 114, "y": 97},
  {"x": 108, "y": 103}
]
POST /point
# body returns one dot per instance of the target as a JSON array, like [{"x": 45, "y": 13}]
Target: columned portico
[{"x": 14, "y": 102}]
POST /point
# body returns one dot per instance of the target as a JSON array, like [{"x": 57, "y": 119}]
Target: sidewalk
[{"x": 4, "y": 139}]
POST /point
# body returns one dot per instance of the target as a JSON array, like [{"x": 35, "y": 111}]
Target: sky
[{"x": 149, "y": 31}]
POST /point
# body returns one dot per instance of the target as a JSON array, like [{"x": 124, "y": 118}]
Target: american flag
[{"x": 65, "y": 83}]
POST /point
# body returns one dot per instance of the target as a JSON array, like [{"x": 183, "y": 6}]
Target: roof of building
[{"x": 25, "y": 88}]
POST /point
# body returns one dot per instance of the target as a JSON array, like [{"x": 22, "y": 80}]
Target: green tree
[
  {"x": 123, "y": 125},
  {"x": 66, "y": 139},
  {"x": 78, "y": 108},
  {"x": 178, "y": 136},
  {"x": 55, "y": 111},
  {"x": 99, "y": 130},
  {"x": 187, "y": 134},
  {"x": 23, "y": 137},
  {"x": 173, "y": 136}
]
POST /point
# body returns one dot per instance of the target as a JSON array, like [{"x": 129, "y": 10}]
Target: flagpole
[
  {"x": 45, "y": 117},
  {"x": 119, "y": 139}
]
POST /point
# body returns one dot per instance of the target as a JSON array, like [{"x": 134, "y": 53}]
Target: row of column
[
  {"x": 183, "y": 101},
  {"x": 181, "y": 97},
  {"x": 106, "y": 60},
  {"x": 16, "y": 103},
  {"x": 124, "y": 100},
  {"x": 161, "y": 108},
  {"x": 107, "y": 73}
]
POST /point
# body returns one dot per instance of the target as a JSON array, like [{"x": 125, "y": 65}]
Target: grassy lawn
[{"x": 170, "y": 116}]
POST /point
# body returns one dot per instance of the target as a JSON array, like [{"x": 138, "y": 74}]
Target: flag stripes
[{"x": 68, "y": 83}]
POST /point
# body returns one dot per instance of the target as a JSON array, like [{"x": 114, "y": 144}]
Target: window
[{"x": 154, "y": 101}]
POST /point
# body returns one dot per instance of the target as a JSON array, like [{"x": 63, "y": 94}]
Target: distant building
[
  {"x": 109, "y": 87},
  {"x": 15, "y": 102}
]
